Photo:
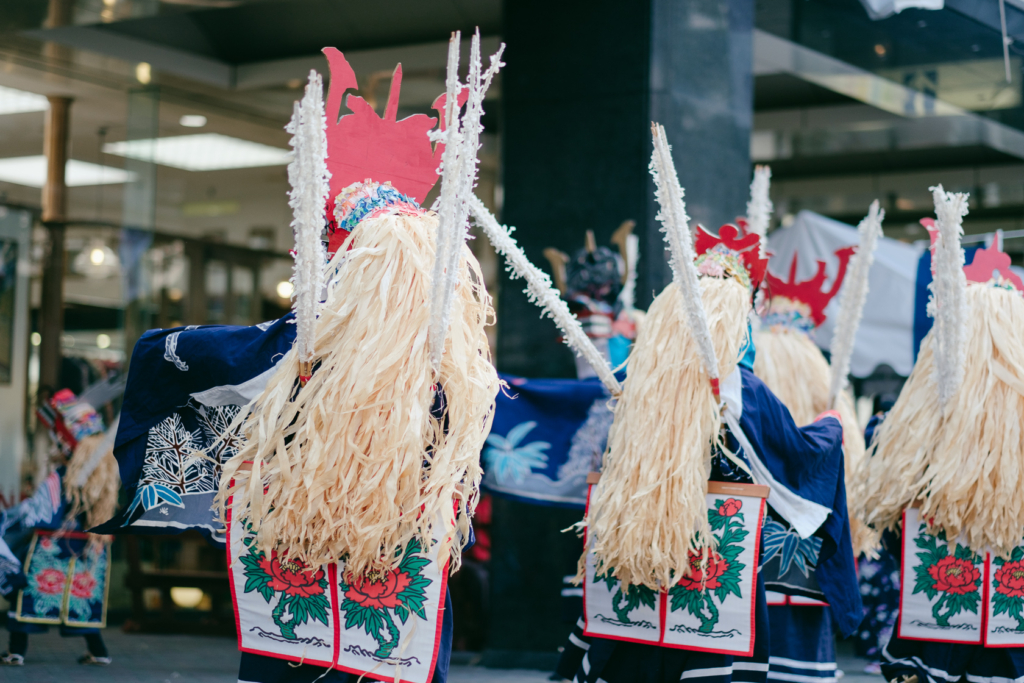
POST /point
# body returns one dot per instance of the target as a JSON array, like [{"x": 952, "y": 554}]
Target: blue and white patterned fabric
[
  {"x": 546, "y": 436},
  {"x": 185, "y": 385},
  {"x": 804, "y": 468}
]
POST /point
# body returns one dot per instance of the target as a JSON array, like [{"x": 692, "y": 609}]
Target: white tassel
[
  {"x": 759, "y": 208},
  {"x": 675, "y": 225},
  {"x": 851, "y": 303},
  {"x": 308, "y": 176},
  {"x": 949, "y": 292},
  {"x": 540, "y": 291},
  {"x": 458, "y": 177}
]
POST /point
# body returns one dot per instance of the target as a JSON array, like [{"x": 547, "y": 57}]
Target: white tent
[{"x": 886, "y": 333}]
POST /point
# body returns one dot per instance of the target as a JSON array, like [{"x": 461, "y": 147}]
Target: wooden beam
[{"x": 51, "y": 314}]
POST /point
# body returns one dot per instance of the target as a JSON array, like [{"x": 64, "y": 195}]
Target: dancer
[
  {"x": 711, "y": 623},
  {"x": 946, "y": 472},
  {"x": 51, "y": 571},
  {"x": 793, "y": 367}
]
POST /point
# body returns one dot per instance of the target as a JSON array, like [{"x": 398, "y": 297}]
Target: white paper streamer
[
  {"x": 540, "y": 291},
  {"x": 851, "y": 303},
  {"x": 458, "y": 177},
  {"x": 759, "y": 208},
  {"x": 949, "y": 291},
  {"x": 308, "y": 176},
  {"x": 676, "y": 226}
]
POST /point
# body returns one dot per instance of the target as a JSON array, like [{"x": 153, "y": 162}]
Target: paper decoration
[
  {"x": 458, "y": 177},
  {"x": 675, "y": 225},
  {"x": 308, "y": 176},
  {"x": 851, "y": 304},
  {"x": 949, "y": 292},
  {"x": 540, "y": 292},
  {"x": 362, "y": 145}
]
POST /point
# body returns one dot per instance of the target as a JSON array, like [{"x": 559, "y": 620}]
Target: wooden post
[{"x": 51, "y": 313}]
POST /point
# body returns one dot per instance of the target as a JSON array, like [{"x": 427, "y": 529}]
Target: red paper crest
[
  {"x": 363, "y": 146},
  {"x": 745, "y": 248},
  {"x": 810, "y": 291}
]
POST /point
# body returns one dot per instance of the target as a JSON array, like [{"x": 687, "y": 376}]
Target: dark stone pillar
[
  {"x": 584, "y": 81},
  {"x": 702, "y": 91}
]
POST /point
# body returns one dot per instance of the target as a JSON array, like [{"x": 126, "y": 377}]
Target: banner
[
  {"x": 711, "y": 609},
  {"x": 546, "y": 436},
  {"x": 384, "y": 626}
]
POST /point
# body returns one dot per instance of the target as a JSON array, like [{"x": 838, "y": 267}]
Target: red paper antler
[
  {"x": 746, "y": 248},
  {"x": 809, "y": 291},
  {"x": 363, "y": 146}
]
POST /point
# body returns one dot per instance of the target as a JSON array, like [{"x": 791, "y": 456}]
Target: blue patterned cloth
[
  {"x": 546, "y": 436},
  {"x": 185, "y": 385}
]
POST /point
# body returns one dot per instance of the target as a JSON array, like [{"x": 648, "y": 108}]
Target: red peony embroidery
[
  {"x": 379, "y": 591},
  {"x": 716, "y": 566},
  {"x": 730, "y": 507},
  {"x": 50, "y": 581},
  {"x": 292, "y": 577},
  {"x": 954, "y": 576},
  {"x": 83, "y": 585},
  {"x": 1010, "y": 579}
]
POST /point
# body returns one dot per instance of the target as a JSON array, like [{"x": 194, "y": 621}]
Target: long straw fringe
[
  {"x": 649, "y": 511},
  {"x": 97, "y": 496},
  {"x": 964, "y": 465},
  {"x": 355, "y": 466}
]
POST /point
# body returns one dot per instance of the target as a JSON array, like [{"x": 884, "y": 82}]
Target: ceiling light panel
[
  {"x": 31, "y": 172},
  {"x": 19, "y": 101},
  {"x": 201, "y": 152}
]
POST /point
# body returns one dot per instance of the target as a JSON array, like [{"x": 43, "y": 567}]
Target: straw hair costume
[
  {"x": 655, "y": 456},
  {"x": 945, "y": 470},
  {"x": 666, "y": 595},
  {"x": 357, "y": 464}
]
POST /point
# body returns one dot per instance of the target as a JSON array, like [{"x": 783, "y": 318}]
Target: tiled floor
[{"x": 196, "y": 659}]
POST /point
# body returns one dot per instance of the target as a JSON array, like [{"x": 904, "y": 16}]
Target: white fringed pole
[
  {"x": 759, "y": 208},
  {"x": 540, "y": 292},
  {"x": 308, "y": 176},
  {"x": 676, "y": 226},
  {"x": 949, "y": 291},
  {"x": 458, "y": 177},
  {"x": 851, "y": 303}
]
